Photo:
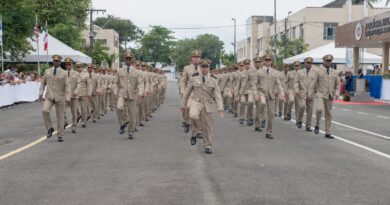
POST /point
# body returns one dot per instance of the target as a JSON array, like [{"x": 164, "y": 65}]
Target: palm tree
[
  {"x": 111, "y": 58},
  {"x": 371, "y": 1}
]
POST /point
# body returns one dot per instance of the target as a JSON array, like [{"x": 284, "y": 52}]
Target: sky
[{"x": 179, "y": 14}]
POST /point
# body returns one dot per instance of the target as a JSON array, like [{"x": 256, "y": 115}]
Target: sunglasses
[
  {"x": 268, "y": 59},
  {"x": 309, "y": 63}
]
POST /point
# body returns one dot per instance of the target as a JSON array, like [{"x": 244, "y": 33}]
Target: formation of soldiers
[
  {"x": 255, "y": 92},
  {"x": 135, "y": 92}
]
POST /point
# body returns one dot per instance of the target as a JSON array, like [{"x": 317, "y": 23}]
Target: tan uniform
[
  {"x": 327, "y": 85},
  {"x": 103, "y": 93},
  {"x": 73, "y": 80},
  {"x": 188, "y": 72},
  {"x": 283, "y": 107},
  {"x": 130, "y": 87},
  {"x": 291, "y": 95},
  {"x": 95, "y": 89},
  {"x": 57, "y": 92},
  {"x": 240, "y": 88},
  {"x": 261, "y": 104},
  {"x": 268, "y": 84},
  {"x": 236, "y": 80},
  {"x": 302, "y": 83},
  {"x": 199, "y": 96},
  {"x": 84, "y": 91}
]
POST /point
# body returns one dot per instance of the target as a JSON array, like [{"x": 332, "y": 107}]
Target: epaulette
[
  {"x": 215, "y": 77},
  {"x": 195, "y": 74}
]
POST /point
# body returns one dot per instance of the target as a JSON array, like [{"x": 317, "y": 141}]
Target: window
[
  {"x": 260, "y": 44},
  {"x": 301, "y": 32},
  {"x": 102, "y": 41},
  {"x": 293, "y": 32},
  {"x": 330, "y": 31}
]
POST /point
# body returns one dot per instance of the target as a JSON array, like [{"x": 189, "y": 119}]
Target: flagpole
[
  {"x": 47, "y": 47},
  {"x": 39, "y": 67}
]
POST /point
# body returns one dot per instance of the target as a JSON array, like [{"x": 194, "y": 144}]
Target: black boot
[
  {"x": 50, "y": 132},
  {"x": 193, "y": 140},
  {"x": 316, "y": 130},
  {"x": 329, "y": 136},
  {"x": 262, "y": 124}
]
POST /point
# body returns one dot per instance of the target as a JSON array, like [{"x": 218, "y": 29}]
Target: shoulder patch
[{"x": 195, "y": 74}]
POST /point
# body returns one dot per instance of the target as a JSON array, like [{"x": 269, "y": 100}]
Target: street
[{"x": 97, "y": 165}]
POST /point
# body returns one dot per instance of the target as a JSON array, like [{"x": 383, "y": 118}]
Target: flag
[
  {"x": 36, "y": 29},
  {"x": 46, "y": 39},
  {"x": 1, "y": 31}
]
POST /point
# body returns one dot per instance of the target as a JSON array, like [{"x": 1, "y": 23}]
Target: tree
[
  {"x": 293, "y": 47},
  {"x": 18, "y": 25},
  {"x": 227, "y": 59},
  {"x": 210, "y": 46},
  {"x": 65, "y": 19},
  {"x": 99, "y": 53},
  {"x": 111, "y": 59},
  {"x": 126, "y": 29},
  {"x": 157, "y": 45}
]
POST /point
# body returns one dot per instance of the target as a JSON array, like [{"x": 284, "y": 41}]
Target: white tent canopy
[
  {"x": 339, "y": 55},
  {"x": 55, "y": 47}
]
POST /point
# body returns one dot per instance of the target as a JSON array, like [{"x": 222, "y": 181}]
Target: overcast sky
[{"x": 201, "y": 13}]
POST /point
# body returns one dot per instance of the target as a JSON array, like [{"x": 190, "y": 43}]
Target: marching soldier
[
  {"x": 268, "y": 82},
  {"x": 74, "y": 81},
  {"x": 84, "y": 91},
  {"x": 130, "y": 90},
  {"x": 283, "y": 78},
  {"x": 235, "y": 81},
  {"x": 188, "y": 72},
  {"x": 260, "y": 103},
  {"x": 243, "y": 76},
  {"x": 198, "y": 96},
  {"x": 327, "y": 85},
  {"x": 95, "y": 86},
  {"x": 57, "y": 93},
  {"x": 290, "y": 89},
  {"x": 109, "y": 99},
  {"x": 302, "y": 83}
]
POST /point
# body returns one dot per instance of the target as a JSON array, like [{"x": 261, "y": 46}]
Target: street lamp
[{"x": 235, "y": 39}]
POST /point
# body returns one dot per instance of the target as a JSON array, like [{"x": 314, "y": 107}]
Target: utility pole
[
  {"x": 276, "y": 35},
  {"x": 235, "y": 40},
  {"x": 91, "y": 36},
  {"x": 285, "y": 39}
]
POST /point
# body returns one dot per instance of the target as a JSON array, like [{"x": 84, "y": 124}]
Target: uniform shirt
[
  {"x": 268, "y": 83},
  {"x": 303, "y": 81},
  {"x": 56, "y": 82},
  {"x": 73, "y": 80},
  {"x": 202, "y": 93},
  {"x": 188, "y": 71},
  {"x": 84, "y": 87},
  {"x": 326, "y": 82},
  {"x": 130, "y": 83}
]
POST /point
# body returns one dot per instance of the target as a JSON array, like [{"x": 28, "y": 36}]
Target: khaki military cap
[
  {"x": 56, "y": 57},
  {"x": 129, "y": 55},
  {"x": 257, "y": 59},
  {"x": 328, "y": 57},
  {"x": 196, "y": 54},
  {"x": 268, "y": 56},
  {"x": 297, "y": 63},
  {"x": 247, "y": 61},
  {"x": 78, "y": 64},
  {"x": 68, "y": 60},
  {"x": 205, "y": 63},
  {"x": 309, "y": 60}
]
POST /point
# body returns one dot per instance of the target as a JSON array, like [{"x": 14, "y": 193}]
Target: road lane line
[
  {"x": 384, "y": 117},
  {"x": 357, "y": 129},
  {"x": 347, "y": 110},
  {"x": 356, "y": 144},
  {"x": 362, "y": 113},
  {"x": 21, "y": 149}
]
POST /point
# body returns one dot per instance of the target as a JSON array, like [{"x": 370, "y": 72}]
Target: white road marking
[
  {"x": 347, "y": 110},
  {"x": 356, "y": 144},
  {"x": 362, "y": 113},
  {"x": 384, "y": 117},
  {"x": 357, "y": 129}
]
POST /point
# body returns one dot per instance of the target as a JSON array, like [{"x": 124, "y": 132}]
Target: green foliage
[
  {"x": 18, "y": 25},
  {"x": 227, "y": 59},
  {"x": 157, "y": 45},
  {"x": 210, "y": 46},
  {"x": 111, "y": 59},
  {"x": 99, "y": 53},
  {"x": 65, "y": 19},
  {"x": 293, "y": 48},
  {"x": 125, "y": 28}
]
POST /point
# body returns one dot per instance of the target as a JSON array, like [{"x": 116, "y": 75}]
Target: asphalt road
[{"x": 97, "y": 165}]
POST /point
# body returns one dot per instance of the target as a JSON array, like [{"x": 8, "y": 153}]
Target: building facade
[
  {"x": 315, "y": 25},
  {"x": 108, "y": 38}
]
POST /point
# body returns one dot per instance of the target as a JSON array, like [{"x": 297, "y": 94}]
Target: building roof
[{"x": 335, "y": 4}]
